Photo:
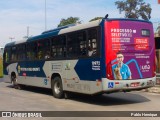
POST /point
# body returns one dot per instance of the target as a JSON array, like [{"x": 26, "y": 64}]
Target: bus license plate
[{"x": 134, "y": 84}]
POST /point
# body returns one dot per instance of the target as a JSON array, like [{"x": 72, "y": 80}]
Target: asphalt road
[
  {"x": 1, "y": 79},
  {"x": 38, "y": 99}
]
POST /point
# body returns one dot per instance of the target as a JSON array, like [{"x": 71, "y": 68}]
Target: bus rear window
[{"x": 145, "y": 32}]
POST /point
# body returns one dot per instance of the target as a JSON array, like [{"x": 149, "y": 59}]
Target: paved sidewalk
[
  {"x": 1, "y": 80},
  {"x": 155, "y": 89}
]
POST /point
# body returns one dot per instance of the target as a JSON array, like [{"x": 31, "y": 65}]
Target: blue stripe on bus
[
  {"x": 88, "y": 69},
  {"x": 31, "y": 69},
  {"x": 102, "y": 49}
]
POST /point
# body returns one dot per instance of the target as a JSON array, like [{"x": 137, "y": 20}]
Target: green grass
[{"x": 1, "y": 68}]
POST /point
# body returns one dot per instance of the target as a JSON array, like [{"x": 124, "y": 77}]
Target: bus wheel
[
  {"x": 14, "y": 82},
  {"x": 57, "y": 88}
]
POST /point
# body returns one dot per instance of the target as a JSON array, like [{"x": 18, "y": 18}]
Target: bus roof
[
  {"x": 69, "y": 28},
  {"x": 128, "y": 19},
  {"x": 58, "y": 31},
  {"x": 65, "y": 29}
]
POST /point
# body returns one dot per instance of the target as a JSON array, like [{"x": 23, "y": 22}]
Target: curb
[{"x": 155, "y": 89}]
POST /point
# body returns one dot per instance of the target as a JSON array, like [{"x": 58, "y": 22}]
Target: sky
[{"x": 18, "y": 15}]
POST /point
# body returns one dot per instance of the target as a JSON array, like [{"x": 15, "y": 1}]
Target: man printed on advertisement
[{"x": 120, "y": 70}]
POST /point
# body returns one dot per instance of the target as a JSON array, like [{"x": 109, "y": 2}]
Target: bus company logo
[
  {"x": 67, "y": 66},
  {"x": 145, "y": 67},
  {"x": 95, "y": 65}
]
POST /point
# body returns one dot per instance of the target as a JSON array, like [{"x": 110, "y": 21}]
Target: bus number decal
[{"x": 95, "y": 65}]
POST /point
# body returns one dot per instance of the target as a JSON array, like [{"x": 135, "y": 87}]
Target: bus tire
[
  {"x": 57, "y": 88},
  {"x": 14, "y": 82}
]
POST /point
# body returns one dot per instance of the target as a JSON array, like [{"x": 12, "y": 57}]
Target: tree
[
  {"x": 96, "y": 18},
  {"x": 158, "y": 30},
  {"x": 70, "y": 20},
  {"x": 134, "y": 9}
]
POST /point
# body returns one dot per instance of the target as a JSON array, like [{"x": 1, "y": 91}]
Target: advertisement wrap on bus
[
  {"x": 135, "y": 42},
  {"x": 130, "y": 43}
]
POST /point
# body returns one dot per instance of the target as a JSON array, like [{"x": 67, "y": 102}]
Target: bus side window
[
  {"x": 40, "y": 46},
  {"x": 92, "y": 42},
  {"x": 28, "y": 55},
  {"x": 82, "y": 43},
  {"x": 6, "y": 58},
  {"x": 47, "y": 55},
  {"x": 13, "y": 53},
  {"x": 43, "y": 49},
  {"x": 40, "y": 55},
  {"x": 61, "y": 47},
  {"x": 31, "y": 50},
  {"x": 21, "y": 52},
  {"x": 71, "y": 45},
  {"x": 7, "y": 55},
  {"x": 53, "y": 51},
  {"x": 90, "y": 51},
  {"x": 58, "y": 47}
]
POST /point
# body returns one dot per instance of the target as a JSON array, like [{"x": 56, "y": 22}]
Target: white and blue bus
[{"x": 83, "y": 58}]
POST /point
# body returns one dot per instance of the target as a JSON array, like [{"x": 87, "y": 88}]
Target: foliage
[
  {"x": 96, "y": 18},
  {"x": 158, "y": 30},
  {"x": 70, "y": 20},
  {"x": 134, "y": 9}
]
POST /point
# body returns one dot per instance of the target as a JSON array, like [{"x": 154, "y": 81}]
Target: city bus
[{"x": 81, "y": 58}]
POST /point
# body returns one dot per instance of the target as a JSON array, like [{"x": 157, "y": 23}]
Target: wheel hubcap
[{"x": 57, "y": 88}]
